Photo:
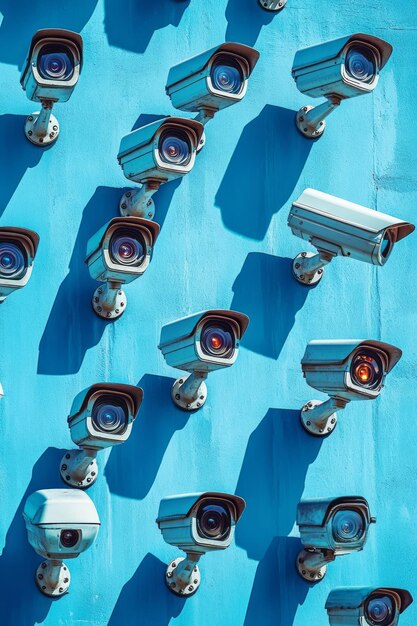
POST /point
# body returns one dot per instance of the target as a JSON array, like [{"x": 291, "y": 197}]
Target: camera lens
[
  {"x": 13, "y": 260},
  {"x": 69, "y": 537},
  {"x": 110, "y": 414},
  {"x": 361, "y": 64},
  {"x": 380, "y": 611},
  {"x": 386, "y": 245},
  {"x": 348, "y": 526},
  {"x": 174, "y": 147},
  {"x": 367, "y": 369},
  {"x": 127, "y": 248},
  {"x": 226, "y": 75},
  {"x": 55, "y": 62},
  {"x": 218, "y": 339},
  {"x": 214, "y": 520}
]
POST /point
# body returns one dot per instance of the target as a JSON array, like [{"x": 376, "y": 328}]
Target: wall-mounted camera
[
  {"x": 336, "y": 227},
  {"x": 273, "y": 5},
  {"x": 338, "y": 69},
  {"x": 196, "y": 523},
  {"x": 60, "y": 523},
  {"x": 101, "y": 416},
  {"x": 50, "y": 73},
  {"x": 329, "y": 528},
  {"x": 18, "y": 248},
  {"x": 153, "y": 155},
  {"x": 361, "y": 606},
  {"x": 345, "y": 369},
  {"x": 201, "y": 343}
]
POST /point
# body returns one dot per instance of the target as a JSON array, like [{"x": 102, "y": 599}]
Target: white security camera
[
  {"x": 336, "y": 227},
  {"x": 212, "y": 80},
  {"x": 18, "y": 248},
  {"x": 329, "y": 528},
  {"x": 117, "y": 254},
  {"x": 60, "y": 523},
  {"x": 338, "y": 69},
  {"x": 155, "y": 154},
  {"x": 196, "y": 523},
  {"x": 273, "y": 5},
  {"x": 101, "y": 416},
  {"x": 49, "y": 75},
  {"x": 345, "y": 369},
  {"x": 201, "y": 343},
  {"x": 361, "y": 606}
]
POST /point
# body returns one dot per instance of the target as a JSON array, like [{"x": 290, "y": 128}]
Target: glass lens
[
  {"x": 55, "y": 62},
  {"x": 348, "y": 526},
  {"x": 127, "y": 248},
  {"x": 110, "y": 414},
  {"x": 226, "y": 75},
  {"x": 214, "y": 520},
  {"x": 13, "y": 260},
  {"x": 380, "y": 611},
  {"x": 174, "y": 147},
  {"x": 69, "y": 537},
  {"x": 367, "y": 370},
  {"x": 360, "y": 64},
  {"x": 218, "y": 339},
  {"x": 386, "y": 245}
]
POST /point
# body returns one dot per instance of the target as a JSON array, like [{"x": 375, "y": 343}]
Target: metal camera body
[
  {"x": 337, "y": 227},
  {"x": 109, "y": 301},
  {"x": 48, "y": 514},
  {"x": 348, "y": 605},
  {"x": 315, "y": 519},
  {"x": 178, "y": 522},
  {"x": 181, "y": 347},
  {"x": 320, "y": 71},
  {"x": 327, "y": 367},
  {"x": 28, "y": 241}
]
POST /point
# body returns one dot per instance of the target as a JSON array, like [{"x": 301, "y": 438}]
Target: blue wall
[{"x": 224, "y": 243}]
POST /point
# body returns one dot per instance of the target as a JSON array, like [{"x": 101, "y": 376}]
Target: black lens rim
[
  {"x": 22, "y": 272},
  {"x": 56, "y": 48},
  {"x": 391, "y": 617},
  {"x": 379, "y": 377},
  {"x": 227, "y": 61},
  {"x": 204, "y": 509},
  {"x": 129, "y": 233},
  {"x": 386, "y": 236},
  {"x": 224, "y": 327},
  {"x": 369, "y": 55},
  {"x": 179, "y": 133},
  {"x": 110, "y": 399},
  {"x": 70, "y": 544},
  {"x": 356, "y": 539}
]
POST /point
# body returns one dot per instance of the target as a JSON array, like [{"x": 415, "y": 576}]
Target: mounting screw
[
  {"x": 190, "y": 588},
  {"x": 66, "y": 580},
  {"x": 169, "y": 574},
  {"x": 93, "y": 473},
  {"x": 128, "y": 194},
  {"x": 61, "y": 589},
  {"x": 63, "y": 467},
  {"x": 67, "y": 456},
  {"x": 55, "y": 127},
  {"x": 177, "y": 396},
  {"x": 173, "y": 564},
  {"x": 40, "y": 576},
  {"x": 68, "y": 477},
  {"x": 124, "y": 205},
  {"x": 30, "y": 118},
  {"x": 100, "y": 291}
]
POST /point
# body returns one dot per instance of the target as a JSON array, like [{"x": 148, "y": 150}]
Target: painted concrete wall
[{"x": 224, "y": 243}]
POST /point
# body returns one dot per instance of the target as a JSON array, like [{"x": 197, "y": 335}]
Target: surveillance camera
[
  {"x": 60, "y": 523},
  {"x": 273, "y": 5},
  {"x": 345, "y": 369},
  {"x": 50, "y": 73},
  {"x": 196, "y": 523},
  {"x": 155, "y": 154},
  {"x": 101, "y": 416},
  {"x": 329, "y": 528},
  {"x": 201, "y": 343},
  {"x": 376, "y": 606},
  {"x": 18, "y": 248},
  {"x": 338, "y": 69},
  {"x": 336, "y": 227},
  {"x": 117, "y": 254}
]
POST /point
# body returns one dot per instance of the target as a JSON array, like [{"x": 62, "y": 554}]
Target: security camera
[
  {"x": 117, "y": 254},
  {"x": 212, "y": 80},
  {"x": 196, "y": 523},
  {"x": 273, "y": 5},
  {"x": 18, "y": 248},
  {"x": 60, "y": 523},
  {"x": 345, "y": 369},
  {"x": 336, "y": 227},
  {"x": 50, "y": 73},
  {"x": 329, "y": 528},
  {"x": 101, "y": 416},
  {"x": 376, "y": 606},
  {"x": 201, "y": 343},
  {"x": 338, "y": 69},
  {"x": 155, "y": 154}
]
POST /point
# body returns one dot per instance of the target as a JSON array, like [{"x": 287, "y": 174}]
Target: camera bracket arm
[
  {"x": 41, "y": 127},
  {"x": 190, "y": 394},
  {"x": 312, "y": 566},
  {"x": 183, "y": 576},
  {"x": 204, "y": 116},
  {"x": 109, "y": 300},
  {"x": 320, "y": 418},
  {"x": 139, "y": 203},
  {"x": 79, "y": 467},
  {"x": 310, "y": 120},
  {"x": 53, "y": 578},
  {"x": 307, "y": 267}
]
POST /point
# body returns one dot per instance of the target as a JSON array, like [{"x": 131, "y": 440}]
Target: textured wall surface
[{"x": 224, "y": 243}]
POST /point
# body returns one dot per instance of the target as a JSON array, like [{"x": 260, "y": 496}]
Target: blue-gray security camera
[
  {"x": 153, "y": 155},
  {"x": 329, "y": 528},
  {"x": 18, "y": 247},
  {"x": 101, "y": 416},
  {"x": 273, "y": 5},
  {"x": 50, "y": 73},
  {"x": 60, "y": 523},
  {"x": 117, "y": 254},
  {"x": 201, "y": 343},
  {"x": 362, "y": 606},
  {"x": 196, "y": 523},
  {"x": 336, "y": 227},
  {"x": 338, "y": 69},
  {"x": 345, "y": 369}
]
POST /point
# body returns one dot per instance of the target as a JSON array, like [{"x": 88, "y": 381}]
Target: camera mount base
[
  {"x": 306, "y": 129},
  {"x": 129, "y": 206},
  {"x": 299, "y": 273},
  {"x": 177, "y": 586},
  {"x": 273, "y": 5},
  {"x": 184, "y": 402},
  {"x": 101, "y": 304},
  {"x": 78, "y": 469},
  {"x": 322, "y": 429},
  {"x": 45, "y": 138},
  {"x": 309, "y": 573},
  {"x": 53, "y": 578}
]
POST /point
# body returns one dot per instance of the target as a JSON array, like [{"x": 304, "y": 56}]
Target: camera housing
[
  {"x": 337, "y": 227},
  {"x": 345, "y": 369},
  {"x": 117, "y": 254},
  {"x": 101, "y": 416},
  {"x": 60, "y": 523},
  {"x": 196, "y": 523},
  {"x": 362, "y": 606},
  {"x": 330, "y": 527},
  {"x": 18, "y": 247},
  {"x": 273, "y": 5},
  {"x": 50, "y": 73},
  {"x": 201, "y": 343},
  {"x": 338, "y": 69}
]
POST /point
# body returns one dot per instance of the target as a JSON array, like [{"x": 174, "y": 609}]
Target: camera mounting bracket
[
  {"x": 53, "y": 578},
  {"x": 182, "y": 576},
  {"x": 312, "y": 566},
  {"x": 138, "y": 202},
  {"x": 273, "y": 5},
  {"x": 190, "y": 393},
  {"x": 310, "y": 120},
  {"x": 109, "y": 301},
  {"x": 41, "y": 127},
  {"x": 79, "y": 468},
  {"x": 320, "y": 418}
]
